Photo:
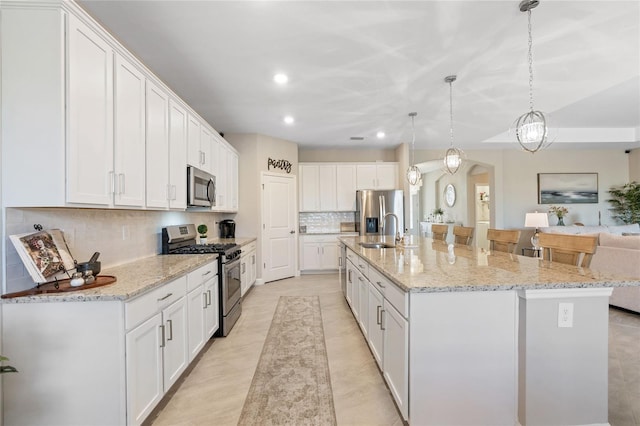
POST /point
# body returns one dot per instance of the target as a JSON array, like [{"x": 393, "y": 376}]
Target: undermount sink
[{"x": 377, "y": 245}]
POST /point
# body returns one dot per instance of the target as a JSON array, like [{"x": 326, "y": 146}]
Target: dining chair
[
  {"x": 567, "y": 248},
  {"x": 463, "y": 234},
  {"x": 439, "y": 232},
  {"x": 505, "y": 240}
]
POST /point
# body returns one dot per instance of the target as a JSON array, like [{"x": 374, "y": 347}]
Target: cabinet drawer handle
[
  {"x": 209, "y": 297},
  {"x": 382, "y": 320},
  {"x": 360, "y": 279},
  {"x": 162, "y": 340},
  {"x": 380, "y": 284},
  {"x": 206, "y": 273},
  {"x": 170, "y": 322},
  {"x": 165, "y": 297},
  {"x": 378, "y": 315}
]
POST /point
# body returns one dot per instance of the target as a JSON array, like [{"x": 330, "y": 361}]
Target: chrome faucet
[{"x": 398, "y": 237}]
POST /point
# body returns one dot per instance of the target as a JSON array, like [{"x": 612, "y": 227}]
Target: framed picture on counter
[{"x": 567, "y": 188}]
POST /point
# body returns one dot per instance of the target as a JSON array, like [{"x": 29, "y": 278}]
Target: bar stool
[
  {"x": 439, "y": 232},
  {"x": 505, "y": 240},
  {"x": 569, "y": 249},
  {"x": 463, "y": 234}
]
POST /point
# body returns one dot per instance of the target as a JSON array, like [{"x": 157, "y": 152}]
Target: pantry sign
[{"x": 284, "y": 165}]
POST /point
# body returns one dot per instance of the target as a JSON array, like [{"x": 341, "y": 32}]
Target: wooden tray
[{"x": 63, "y": 287}]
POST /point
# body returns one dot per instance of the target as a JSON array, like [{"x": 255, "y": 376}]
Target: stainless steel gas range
[{"x": 181, "y": 239}]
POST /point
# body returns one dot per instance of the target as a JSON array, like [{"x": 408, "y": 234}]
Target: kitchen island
[{"x": 465, "y": 336}]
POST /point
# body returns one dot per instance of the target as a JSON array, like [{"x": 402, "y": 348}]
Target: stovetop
[
  {"x": 204, "y": 248},
  {"x": 180, "y": 239}
]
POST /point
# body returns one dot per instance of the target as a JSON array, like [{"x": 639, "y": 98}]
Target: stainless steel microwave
[{"x": 201, "y": 188}]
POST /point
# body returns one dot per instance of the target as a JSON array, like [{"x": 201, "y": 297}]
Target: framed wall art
[{"x": 567, "y": 188}]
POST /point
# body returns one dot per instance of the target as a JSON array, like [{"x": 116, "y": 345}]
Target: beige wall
[
  {"x": 634, "y": 165},
  {"x": 346, "y": 155},
  {"x": 121, "y": 236},
  {"x": 255, "y": 151},
  {"x": 514, "y": 182}
]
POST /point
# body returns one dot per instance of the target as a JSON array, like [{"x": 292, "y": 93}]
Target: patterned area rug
[{"x": 291, "y": 385}]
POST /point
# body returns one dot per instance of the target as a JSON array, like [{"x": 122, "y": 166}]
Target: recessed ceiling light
[
  {"x": 281, "y": 78},
  {"x": 289, "y": 119},
  {"x": 380, "y": 135}
]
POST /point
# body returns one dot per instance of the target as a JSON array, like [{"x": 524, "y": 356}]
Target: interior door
[{"x": 279, "y": 226}]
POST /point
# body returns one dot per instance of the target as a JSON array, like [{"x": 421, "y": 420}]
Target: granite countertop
[
  {"x": 239, "y": 241},
  {"x": 429, "y": 267},
  {"x": 133, "y": 278}
]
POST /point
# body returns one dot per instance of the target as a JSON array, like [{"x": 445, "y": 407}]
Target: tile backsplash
[
  {"x": 323, "y": 222},
  {"x": 120, "y": 236}
]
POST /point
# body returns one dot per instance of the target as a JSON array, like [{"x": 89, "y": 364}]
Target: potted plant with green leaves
[
  {"x": 6, "y": 368},
  {"x": 560, "y": 212},
  {"x": 438, "y": 214},
  {"x": 625, "y": 203},
  {"x": 202, "y": 230}
]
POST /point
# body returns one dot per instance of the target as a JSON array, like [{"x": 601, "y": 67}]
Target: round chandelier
[
  {"x": 454, "y": 156},
  {"x": 531, "y": 127},
  {"x": 413, "y": 173}
]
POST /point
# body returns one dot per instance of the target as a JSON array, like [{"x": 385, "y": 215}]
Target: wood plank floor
[{"x": 213, "y": 393}]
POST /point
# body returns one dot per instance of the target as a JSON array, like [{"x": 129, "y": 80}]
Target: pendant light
[
  {"x": 454, "y": 156},
  {"x": 413, "y": 173},
  {"x": 531, "y": 128}
]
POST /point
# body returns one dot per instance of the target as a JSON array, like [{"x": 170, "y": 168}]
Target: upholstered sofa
[{"x": 618, "y": 252}]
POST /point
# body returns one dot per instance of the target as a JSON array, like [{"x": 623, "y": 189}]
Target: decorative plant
[
  {"x": 559, "y": 211},
  {"x": 6, "y": 368},
  {"x": 202, "y": 230},
  {"x": 438, "y": 211},
  {"x": 626, "y": 202}
]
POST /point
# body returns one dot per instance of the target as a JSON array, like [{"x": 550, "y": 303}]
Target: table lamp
[{"x": 536, "y": 220}]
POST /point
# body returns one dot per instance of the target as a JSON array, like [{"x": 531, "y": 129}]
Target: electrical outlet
[
  {"x": 125, "y": 232},
  {"x": 565, "y": 315}
]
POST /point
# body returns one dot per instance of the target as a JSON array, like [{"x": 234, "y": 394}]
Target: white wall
[
  {"x": 634, "y": 165},
  {"x": 346, "y": 155}
]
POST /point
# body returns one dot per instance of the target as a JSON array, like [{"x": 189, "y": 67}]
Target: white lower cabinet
[
  {"x": 395, "y": 359},
  {"x": 202, "y": 301},
  {"x": 363, "y": 303},
  {"x": 156, "y": 348},
  {"x": 375, "y": 333},
  {"x": 248, "y": 267},
  {"x": 318, "y": 252},
  {"x": 381, "y": 310}
]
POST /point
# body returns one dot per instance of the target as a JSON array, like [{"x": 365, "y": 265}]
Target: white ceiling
[{"x": 356, "y": 67}]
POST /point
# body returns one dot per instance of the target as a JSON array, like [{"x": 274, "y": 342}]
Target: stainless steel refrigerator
[{"x": 375, "y": 211}]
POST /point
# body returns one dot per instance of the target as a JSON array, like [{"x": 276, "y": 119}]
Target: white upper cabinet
[
  {"x": 85, "y": 124},
  {"x": 328, "y": 187},
  {"x": 346, "y": 187},
  {"x": 318, "y": 187},
  {"x": 222, "y": 183},
  {"x": 377, "y": 176},
  {"x": 90, "y": 174},
  {"x": 207, "y": 150},
  {"x": 194, "y": 154},
  {"x": 157, "y": 146},
  {"x": 309, "y": 188},
  {"x": 177, "y": 155},
  {"x": 129, "y": 143}
]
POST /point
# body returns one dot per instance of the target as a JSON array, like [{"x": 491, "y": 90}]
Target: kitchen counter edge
[{"x": 132, "y": 279}]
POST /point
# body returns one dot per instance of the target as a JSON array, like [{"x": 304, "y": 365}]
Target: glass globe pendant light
[
  {"x": 454, "y": 156},
  {"x": 531, "y": 128},
  {"x": 413, "y": 173}
]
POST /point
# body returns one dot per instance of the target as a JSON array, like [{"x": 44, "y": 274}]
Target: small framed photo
[{"x": 567, "y": 188}]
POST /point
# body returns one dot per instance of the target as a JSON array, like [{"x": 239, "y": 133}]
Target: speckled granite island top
[
  {"x": 431, "y": 267},
  {"x": 133, "y": 278}
]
